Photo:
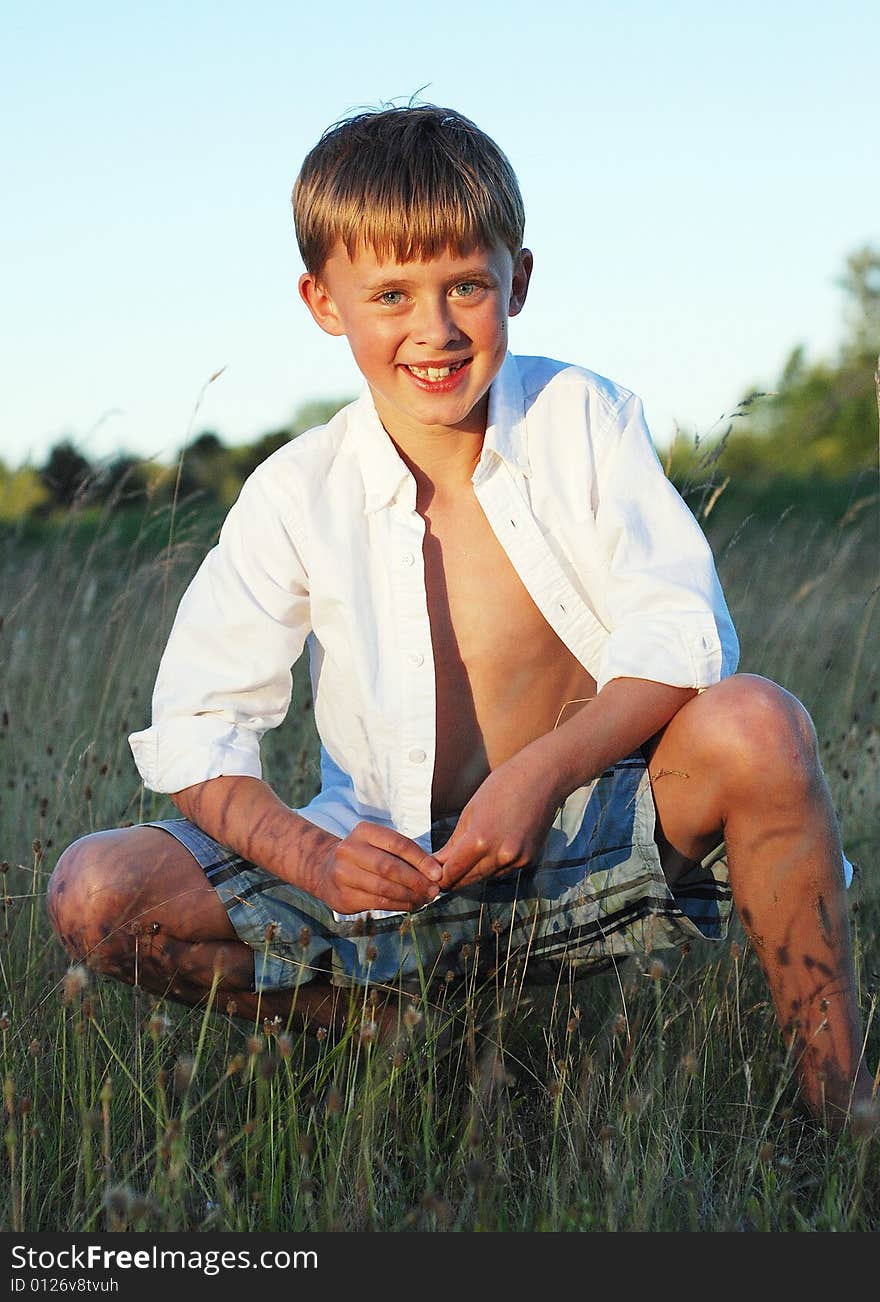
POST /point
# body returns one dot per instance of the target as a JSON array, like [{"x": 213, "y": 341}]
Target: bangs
[
  {"x": 407, "y": 227},
  {"x": 410, "y": 184}
]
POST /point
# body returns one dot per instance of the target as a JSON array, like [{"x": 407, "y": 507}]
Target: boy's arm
[
  {"x": 505, "y": 823},
  {"x": 372, "y": 868},
  {"x": 225, "y": 678}
]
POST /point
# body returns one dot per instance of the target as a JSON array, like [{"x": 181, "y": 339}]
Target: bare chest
[{"x": 502, "y": 673}]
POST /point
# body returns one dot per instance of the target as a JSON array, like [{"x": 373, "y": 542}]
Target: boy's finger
[
  {"x": 389, "y": 869},
  {"x": 463, "y": 859},
  {"x": 394, "y": 843},
  {"x": 395, "y": 891}
]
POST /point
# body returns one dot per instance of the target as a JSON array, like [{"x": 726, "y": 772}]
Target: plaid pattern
[{"x": 598, "y": 895}]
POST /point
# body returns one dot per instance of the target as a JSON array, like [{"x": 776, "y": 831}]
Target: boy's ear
[
  {"x": 522, "y": 274},
  {"x": 317, "y": 299}
]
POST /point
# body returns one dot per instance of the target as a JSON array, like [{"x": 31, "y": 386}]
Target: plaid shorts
[{"x": 597, "y": 895}]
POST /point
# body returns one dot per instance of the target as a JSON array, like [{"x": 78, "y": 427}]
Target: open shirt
[{"x": 324, "y": 548}]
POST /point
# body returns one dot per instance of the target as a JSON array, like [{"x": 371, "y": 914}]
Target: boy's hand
[
  {"x": 374, "y": 868},
  {"x": 505, "y": 823}
]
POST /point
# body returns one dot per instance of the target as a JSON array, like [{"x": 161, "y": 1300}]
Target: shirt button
[
  {"x": 408, "y": 558},
  {"x": 415, "y": 658},
  {"x": 417, "y": 756}
]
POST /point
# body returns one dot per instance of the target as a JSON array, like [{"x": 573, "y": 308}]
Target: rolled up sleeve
[
  {"x": 225, "y": 676},
  {"x": 669, "y": 619}
]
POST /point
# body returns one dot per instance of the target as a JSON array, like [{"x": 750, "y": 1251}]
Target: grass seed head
[
  {"x": 158, "y": 1024},
  {"x": 76, "y": 980},
  {"x": 183, "y": 1072},
  {"x": 636, "y": 1103},
  {"x": 268, "y": 1066},
  {"x": 118, "y": 1200}
]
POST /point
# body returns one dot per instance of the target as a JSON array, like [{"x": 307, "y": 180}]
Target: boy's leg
[
  {"x": 740, "y": 761},
  {"x": 134, "y": 904}
]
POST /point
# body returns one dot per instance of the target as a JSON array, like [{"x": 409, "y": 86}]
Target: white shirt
[{"x": 324, "y": 548}]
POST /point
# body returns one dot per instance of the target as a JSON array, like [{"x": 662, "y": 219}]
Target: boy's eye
[
  {"x": 390, "y": 297},
  {"x": 466, "y": 289}
]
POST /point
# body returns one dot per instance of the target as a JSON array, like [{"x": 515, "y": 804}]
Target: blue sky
[{"x": 694, "y": 180}]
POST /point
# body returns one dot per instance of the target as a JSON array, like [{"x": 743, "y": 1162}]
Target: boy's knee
[
  {"x": 84, "y": 899},
  {"x": 760, "y": 734}
]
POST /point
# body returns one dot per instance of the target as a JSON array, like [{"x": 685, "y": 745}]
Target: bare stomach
[{"x": 483, "y": 720}]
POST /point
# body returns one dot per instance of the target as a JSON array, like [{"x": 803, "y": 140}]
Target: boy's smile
[{"x": 429, "y": 337}]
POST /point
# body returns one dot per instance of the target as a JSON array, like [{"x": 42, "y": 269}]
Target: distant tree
[
  {"x": 122, "y": 480},
  {"x": 861, "y": 283},
  {"x": 21, "y": 493},
  {"x": 204, "y": 466},
  {"x": 820, "y": 421},
  {"x": 67, "y": 474}
]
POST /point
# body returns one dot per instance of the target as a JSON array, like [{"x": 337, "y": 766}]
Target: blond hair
[{"x": 409, "y": 183}]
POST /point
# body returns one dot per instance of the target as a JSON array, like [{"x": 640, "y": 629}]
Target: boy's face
[{"x": 428, "y": 337}]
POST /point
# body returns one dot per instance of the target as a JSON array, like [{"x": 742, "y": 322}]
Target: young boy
[{"x": 534, "y": 746}]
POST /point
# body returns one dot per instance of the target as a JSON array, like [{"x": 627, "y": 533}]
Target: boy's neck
[{"x": 441, "y": 459}]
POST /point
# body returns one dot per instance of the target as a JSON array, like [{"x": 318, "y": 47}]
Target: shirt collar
[
  {"x": 382, "y": 467},
  {"x": 384, "y": 470},
  {"x": 506, "y": 427}
]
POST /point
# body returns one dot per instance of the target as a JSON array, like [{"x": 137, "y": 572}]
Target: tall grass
[{"x": 656, "y": 1097}]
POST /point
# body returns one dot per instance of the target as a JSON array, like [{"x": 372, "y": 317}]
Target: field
[{"x": 659, "y": 1097}]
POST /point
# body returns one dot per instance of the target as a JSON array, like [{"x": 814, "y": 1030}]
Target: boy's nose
[{"x": 436, "y": 327}]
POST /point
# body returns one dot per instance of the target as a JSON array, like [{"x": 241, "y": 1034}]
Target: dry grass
[{"x": 659, "y": 1097}]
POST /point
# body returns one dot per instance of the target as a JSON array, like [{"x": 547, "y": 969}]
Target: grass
[{"x": 658, "y": 1097}]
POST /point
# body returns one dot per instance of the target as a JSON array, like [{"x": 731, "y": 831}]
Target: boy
[{"x": 533, "y": 740}]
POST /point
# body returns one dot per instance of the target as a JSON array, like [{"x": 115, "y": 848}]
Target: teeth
[{"x": 435, "y": 372}]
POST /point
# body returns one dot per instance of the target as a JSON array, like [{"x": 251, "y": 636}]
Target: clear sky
[{"x": 694, "y": 178}]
